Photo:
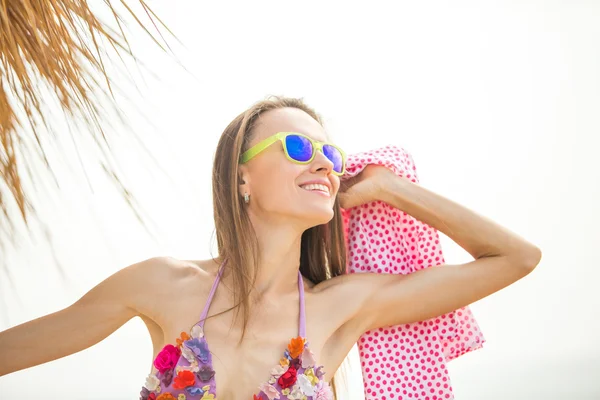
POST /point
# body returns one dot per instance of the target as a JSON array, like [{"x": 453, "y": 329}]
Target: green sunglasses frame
[{"x": 263, "y": 144}]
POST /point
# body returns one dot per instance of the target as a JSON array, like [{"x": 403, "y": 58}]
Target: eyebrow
[{"x": 326, "y": 140}]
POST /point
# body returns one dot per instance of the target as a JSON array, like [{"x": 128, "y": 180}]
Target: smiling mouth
[{"x": 318, "y": 188}]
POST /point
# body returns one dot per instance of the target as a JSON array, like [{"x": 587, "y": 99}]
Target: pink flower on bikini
[
  {"x": 269, "y": 391},
  {"x": 167, "y": 358},
  {"x": 278, "y": 371},
  {"x": 323, "y": 391},
  {"x": 308, "y": 358}
]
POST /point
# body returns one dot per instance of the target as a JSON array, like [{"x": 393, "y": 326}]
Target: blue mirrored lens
[
  {"x": 299, "y": 148},
  {"x": 334, "y": 156}
]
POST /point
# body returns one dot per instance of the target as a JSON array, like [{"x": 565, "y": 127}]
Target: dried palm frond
[{"x": 52, "y": 51}]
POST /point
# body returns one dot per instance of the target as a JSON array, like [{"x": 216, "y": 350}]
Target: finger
[
  {"x": 354, "y": 196},
  {"x": 348, "y": 183}
]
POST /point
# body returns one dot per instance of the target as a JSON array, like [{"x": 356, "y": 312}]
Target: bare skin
[
  {"x": 169, "y": 294},
  {"x": 273, "y": 323}
]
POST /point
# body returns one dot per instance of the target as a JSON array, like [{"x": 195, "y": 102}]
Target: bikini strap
[
  {"x": 302, "y": 324},
  {"x": 211, "y": 295},
  {"x": 302, "y": 329}
]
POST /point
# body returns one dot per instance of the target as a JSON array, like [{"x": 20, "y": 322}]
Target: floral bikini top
[{"x": 184, "y": 371}]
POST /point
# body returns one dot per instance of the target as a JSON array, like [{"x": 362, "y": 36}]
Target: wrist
[{"x": 395, "y": 189}]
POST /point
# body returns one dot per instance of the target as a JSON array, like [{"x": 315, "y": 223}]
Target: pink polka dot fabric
[{"x": 405, "y": 361}]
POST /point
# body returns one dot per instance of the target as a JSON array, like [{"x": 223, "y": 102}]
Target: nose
[{"x": 321, "y": 163}]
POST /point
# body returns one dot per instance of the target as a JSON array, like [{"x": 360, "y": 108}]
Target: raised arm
[
  {"x": 92, "y": 318},
  {"x": 501, "y": 258}
]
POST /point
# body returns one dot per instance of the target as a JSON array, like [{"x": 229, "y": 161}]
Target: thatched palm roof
[{"x": 54, "y": 48}]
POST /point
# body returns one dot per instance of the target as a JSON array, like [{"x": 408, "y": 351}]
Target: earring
[{"x": 246, "y": 198}]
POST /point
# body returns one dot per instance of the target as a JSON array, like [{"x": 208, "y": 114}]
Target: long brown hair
[{"x": 323, "y": 250}]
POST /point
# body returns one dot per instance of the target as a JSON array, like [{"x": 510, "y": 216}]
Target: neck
[{"x": 279, "y": 261}]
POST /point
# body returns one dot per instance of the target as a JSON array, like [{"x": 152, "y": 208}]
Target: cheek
[
  {"x": 335, "y": 182},
  {"x": 278, "y": 182}
]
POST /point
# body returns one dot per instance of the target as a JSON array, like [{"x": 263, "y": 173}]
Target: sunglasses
[{"x": 300, "y": 149}]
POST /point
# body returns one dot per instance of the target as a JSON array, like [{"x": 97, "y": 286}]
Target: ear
[{"x": 243, "y": 180}]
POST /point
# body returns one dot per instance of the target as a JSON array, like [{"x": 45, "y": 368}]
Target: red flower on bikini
[
  {"x": 184, "y": 379},
  {"x": 288, "y": 378},
  {"x": 145, "y": 394}
]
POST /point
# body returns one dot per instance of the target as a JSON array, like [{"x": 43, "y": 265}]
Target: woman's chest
[
  {"x": 215, "y": 364},
  {"x": 219, "y": 362},
  {"x": 271, "y": 366}
]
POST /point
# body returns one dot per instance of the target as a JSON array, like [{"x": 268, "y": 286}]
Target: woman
[{"x": 281, "y": 264}]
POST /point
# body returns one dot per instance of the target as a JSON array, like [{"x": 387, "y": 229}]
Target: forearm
[
  {"x": 478, "y": 235},
  {"x": 57, "y": 335}
]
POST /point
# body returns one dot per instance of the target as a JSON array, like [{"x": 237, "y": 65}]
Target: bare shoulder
[
  {"x": 341, "y": 285},
  {"x": 167, "y": 266},
  {"x": 165, "y": 275},
  {"x": 155, "y": 269},
  {"x": 162, "y": 274},
  {"x": 202, "y": 269}
]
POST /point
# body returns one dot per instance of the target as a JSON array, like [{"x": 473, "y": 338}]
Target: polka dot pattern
[{"x": 404, "y": 362}]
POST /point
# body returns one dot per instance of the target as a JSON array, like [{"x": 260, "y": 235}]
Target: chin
[
  {"x": 320, "y": 218},
  {"x": 312, "y": 214}
]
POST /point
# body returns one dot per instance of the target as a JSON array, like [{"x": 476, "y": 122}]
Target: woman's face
[{"x": 276, "y": 185}]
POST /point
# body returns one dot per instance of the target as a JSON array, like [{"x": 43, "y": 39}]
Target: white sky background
[{"x": 497, "y": 101}]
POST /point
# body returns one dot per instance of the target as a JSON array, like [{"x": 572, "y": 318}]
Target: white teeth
[{"x": 313, "y": 186}]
